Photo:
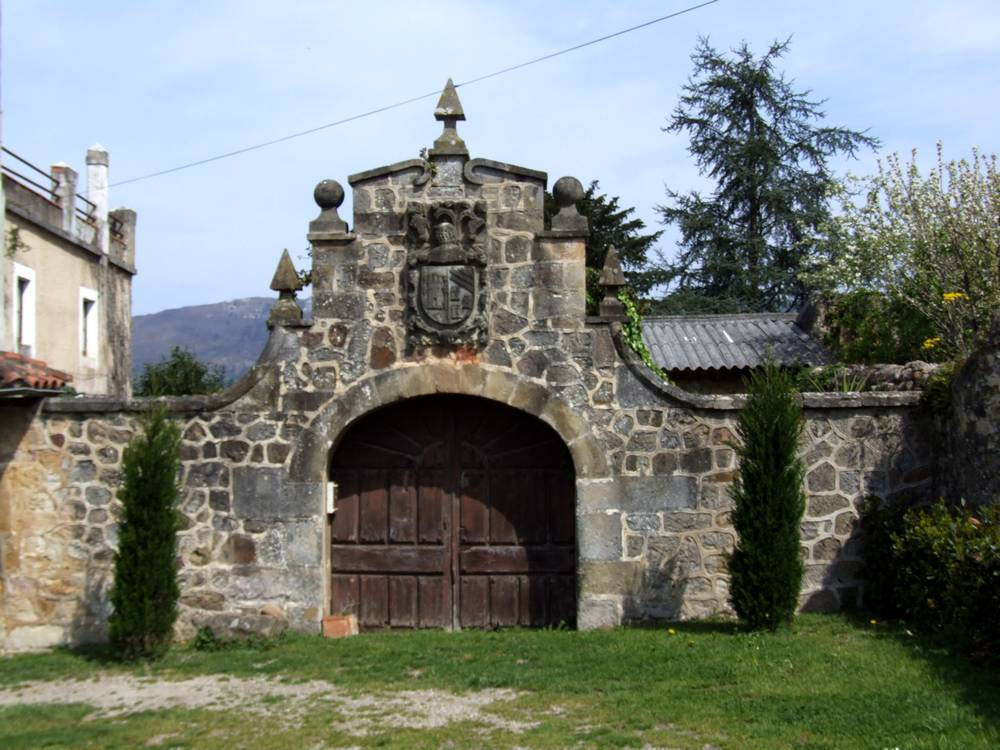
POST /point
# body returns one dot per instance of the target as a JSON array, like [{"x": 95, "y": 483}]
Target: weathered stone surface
[
  {"x": 600, "y": 536},
  {"x": 637, "y": 494}
]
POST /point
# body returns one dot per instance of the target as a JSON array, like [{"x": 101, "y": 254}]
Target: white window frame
[
  {"x": 28, "y": 326},
  {"x": 88, "y": 326}
]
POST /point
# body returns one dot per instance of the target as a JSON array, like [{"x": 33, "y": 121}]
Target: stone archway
[{"x": 453, "y": 512}]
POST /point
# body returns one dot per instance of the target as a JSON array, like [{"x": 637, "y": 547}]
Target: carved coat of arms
[{"x": 447, "y": 261}]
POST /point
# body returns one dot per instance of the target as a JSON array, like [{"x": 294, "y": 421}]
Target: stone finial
[
  {"x": 567, "y": 191},
  {"x": 329, "y": 196},
  {"x": 612, "y": 279},
  {"x": 286, "y": 283},
  {"x": 449, "y": 111}
]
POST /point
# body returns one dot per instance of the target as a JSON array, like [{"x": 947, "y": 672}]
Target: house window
[
  {"x": 24, "y": 310},
  {"x": 88, "y": 325}
]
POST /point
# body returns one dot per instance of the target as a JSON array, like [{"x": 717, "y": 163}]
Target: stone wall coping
[
  {"x": 879, "y": 399},
  {"x": 388, "y": 169},
  {"x": 563, "y": 234},
  {"x": 500, "y": 166},
  {"x": 269, "y": 357},
  {"x": 91, "y": 252}
]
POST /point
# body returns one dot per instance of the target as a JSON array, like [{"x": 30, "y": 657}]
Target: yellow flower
[
  {"x": 671, "y": 631},
  {"x": 930, "y": 343},
  {"x": 955, "y": 296},
  {"x": 873, "y": 622}
]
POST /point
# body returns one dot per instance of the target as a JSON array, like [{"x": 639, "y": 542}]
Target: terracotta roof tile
[{"x": 18, "y": 371}]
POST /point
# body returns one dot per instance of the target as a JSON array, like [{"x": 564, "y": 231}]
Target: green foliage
[
  {"x": 931, "y": 244},
  {"x": 206, "y": 640},
  {"x": 145, "y": 589},
  {"x": 611, "y": 225},
  {"x": 947, "y": 573},
  {"x": 766, "y": 567},
  {"x": 880, "y": 519},
  {"x": 761, "y": 141},
  {"x": 632, "y": 333},
  {"x": 869, "y": 327},
  {"x": 181, "y": 374},
  {"x": 834, "y": 378},
  {"x": 937, "y": 396}
]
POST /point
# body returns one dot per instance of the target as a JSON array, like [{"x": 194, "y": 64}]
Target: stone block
[
  {"x": 600, "y": 536},
  {"x": 638, "y": 494},
  {"x": 599, "y": 613},
  {"x": 616, "y": 578},
  {"x": 261, "y": 493},
  {"x": 631, "y": 392}
]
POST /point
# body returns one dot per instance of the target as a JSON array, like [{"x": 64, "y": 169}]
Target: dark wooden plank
[
  {"x": 533, "y": 500},
  {"x": 387, "y": 559},
  {"x": 474, "y": 609},
  {"x": 374, "y": 506},
  {"x": 562, "y": 513},
  {"x": 510, "y": 559},
  {"x": 434, "y": 602},
  {"x": 345, "y": 517},
  {"x": 562, "y": 600},
  {"x": 503, "y": 487},
  {"x": 538, "y": 601},
  {"x": 430, "y": 507},
  {"x": 403, "y": 601},
  {"x": 503, "y": 601},
  {"x": 374, "y": 602},
  {"x": 474, "y": 510},
  {"x": 402, "y": 508},
  {"x": 345, "y": 596}
]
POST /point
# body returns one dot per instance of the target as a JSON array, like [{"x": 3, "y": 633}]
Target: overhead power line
[{"x": 413, "y": 99}]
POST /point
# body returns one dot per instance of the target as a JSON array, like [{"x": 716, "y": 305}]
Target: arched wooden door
[{"x": 452, "y": 512}]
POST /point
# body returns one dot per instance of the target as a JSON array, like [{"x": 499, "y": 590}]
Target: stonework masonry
[{"x": 653, "y": 463}]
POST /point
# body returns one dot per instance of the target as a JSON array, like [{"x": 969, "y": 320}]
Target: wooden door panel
[
  {"x": 431, "y": 500},
  {"x": 409, "y": 474},
  {"x": 503, "y": 601},
  {"x": 374, "y": 507},
  {"x": 474, "y": 605},
  {"x": 474, "y": 511},
  {"x": 402, "y": 601},
  {"x": 514, "y": 560},
  {"x": 434, "y": 602},
  {"x": 402, "y": 508},
  {"x": 374, "y": 602}
]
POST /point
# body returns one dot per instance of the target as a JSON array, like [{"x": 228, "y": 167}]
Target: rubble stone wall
[{"x": 653, "y": 463}]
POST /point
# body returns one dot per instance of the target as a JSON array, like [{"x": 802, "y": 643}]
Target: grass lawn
[{"x": 831, "y": 682}]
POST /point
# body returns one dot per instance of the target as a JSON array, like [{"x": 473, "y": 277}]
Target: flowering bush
[{"x": 933, "y": 243}]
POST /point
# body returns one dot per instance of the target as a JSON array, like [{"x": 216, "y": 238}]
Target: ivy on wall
[{"x": 632, "y": 331}]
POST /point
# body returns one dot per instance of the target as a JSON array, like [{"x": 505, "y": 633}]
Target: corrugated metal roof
[{"x": 719, "y": 342}]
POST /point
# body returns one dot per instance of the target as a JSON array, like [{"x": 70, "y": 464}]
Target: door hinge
[{"x": 331, "y": 497}]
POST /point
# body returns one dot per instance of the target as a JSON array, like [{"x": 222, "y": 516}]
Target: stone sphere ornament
[
  {"x": 328, "y": 194},
  {"x": 567, "y": 191}
]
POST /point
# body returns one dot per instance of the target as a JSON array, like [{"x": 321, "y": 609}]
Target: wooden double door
[{"x": 453, "y": 512}]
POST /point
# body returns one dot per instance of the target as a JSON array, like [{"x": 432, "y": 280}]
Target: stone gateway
[{"x": 449, "y": 442}]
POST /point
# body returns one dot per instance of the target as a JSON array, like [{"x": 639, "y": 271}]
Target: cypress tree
[
  {"x": 765, "y": 568},
  {"x": 145, "y": 590}
]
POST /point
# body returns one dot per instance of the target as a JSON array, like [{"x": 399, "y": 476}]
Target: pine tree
[
  {"x": 759, "y": 139},
  {"x": 765, "y": 568},
  {"x": 611, "y": 225},
  {"x": 145, "y": 590}
]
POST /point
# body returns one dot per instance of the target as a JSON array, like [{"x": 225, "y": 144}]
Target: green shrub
[
  {"x": 832, "y": 378},
  {"x": 880, "y": 520},
  {"x": 765, "y": 568},
  {"x": 947, "y": 572},
  {"x": 869, "y": 327},
  {"x": 145, "y": 589},
  {"x": 180, "y": 374}
]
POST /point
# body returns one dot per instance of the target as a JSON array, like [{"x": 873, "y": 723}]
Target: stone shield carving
[{"x": 447, "y": 260}]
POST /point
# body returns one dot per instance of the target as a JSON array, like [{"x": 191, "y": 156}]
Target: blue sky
[{"x": 161, "y": 84}]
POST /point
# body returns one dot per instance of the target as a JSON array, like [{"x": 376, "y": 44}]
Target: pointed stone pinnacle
[
  {"x": 449, "y": 107},
  {"x": 286, "y": 278},
  {"x": 611, "y": 274},
  {"x": 449, "y": 111}
]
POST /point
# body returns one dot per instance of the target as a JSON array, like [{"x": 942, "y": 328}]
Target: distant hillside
[{"x": 230, "y": 334}]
